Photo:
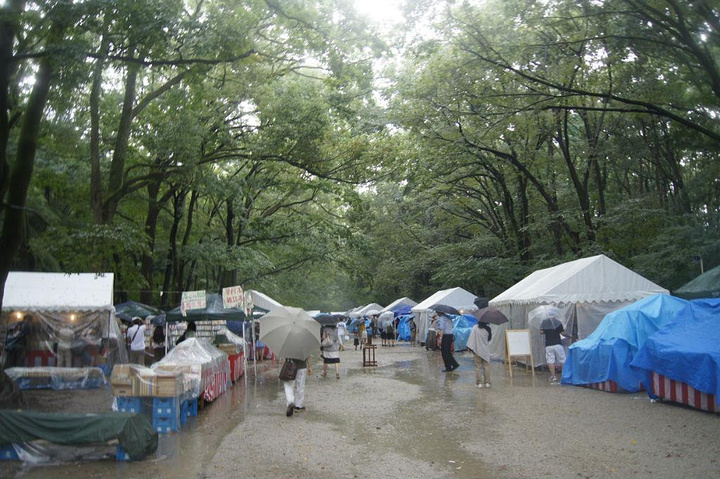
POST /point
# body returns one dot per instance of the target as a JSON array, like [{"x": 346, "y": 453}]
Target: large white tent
[
  {"x": 458, "y": 298},
  {"x": 405, "y": 301},
  {"x": 585, "y": 290},
  {"x": 263, "y": 301}
]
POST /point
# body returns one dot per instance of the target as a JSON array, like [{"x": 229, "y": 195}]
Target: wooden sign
[{"x": 518, "y": 346}]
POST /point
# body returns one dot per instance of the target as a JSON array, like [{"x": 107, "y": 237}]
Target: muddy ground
[{"x": 405, "y": 418}]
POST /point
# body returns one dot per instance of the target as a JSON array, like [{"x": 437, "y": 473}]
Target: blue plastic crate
[
  {"x": 165, "y": 424},
  {"x": 130, "y": 404},
  {"x": 8, "y": 453},
  {"x": 192, "y": 406},
  {"x": 121, "y": 454},
  {"x": 166, "y": 406}
]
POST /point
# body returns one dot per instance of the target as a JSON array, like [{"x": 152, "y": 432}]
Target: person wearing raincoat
[{"x": 479, "y": 343}]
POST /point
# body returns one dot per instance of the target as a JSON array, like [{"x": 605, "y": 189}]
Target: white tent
[
  {"x": 399, "y": 302},
  {"x": 79, "y": 303},
  {"x": 458, "y": 298},
  {"x": 585, "y": 290},
  {"x": 263, "y": 301},
  {"x": 359, "y": 313}
]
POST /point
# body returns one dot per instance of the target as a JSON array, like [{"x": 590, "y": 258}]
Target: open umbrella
[
  {"x": 290, "y": 332},
  {"x": 489, "y": 316},
  {"x": 326, "y": 319},
  {"x": 547, "y": 316},
  {"x": 445, "y": 309}
]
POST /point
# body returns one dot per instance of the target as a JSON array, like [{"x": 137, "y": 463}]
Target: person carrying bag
[{"x": 293, "y": 374}]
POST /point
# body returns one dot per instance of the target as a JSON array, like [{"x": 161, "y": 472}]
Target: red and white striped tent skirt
[{"x": 682, "y": 393}]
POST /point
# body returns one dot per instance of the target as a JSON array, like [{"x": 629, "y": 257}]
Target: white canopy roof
[
  {"x": 364, "y": 310},
  {"x": 595, "y": 279},
  {"x": 263, "y": 301},
  {"x": 58, "y": 291},
  {"x": 399, "y": 302},
  {"x": 458, "y": 298}
]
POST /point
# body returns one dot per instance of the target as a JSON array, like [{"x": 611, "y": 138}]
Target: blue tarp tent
[
  {"x": 404, "y": 327},
  {"x": 606, "y": 354},
  {"x": 687, "y": 350},
  {"x": 462, "y": 325}
]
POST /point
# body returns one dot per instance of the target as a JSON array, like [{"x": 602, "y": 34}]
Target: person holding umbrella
[
  {"x": 551, "y": 328},
  {"x": 479, "y": 343},
  {"x": 445, "y": 327}
]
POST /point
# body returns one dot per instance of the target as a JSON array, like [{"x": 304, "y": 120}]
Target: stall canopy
[
  {"x": 263, "y": 302},
  {"x": 606, "y": 354},
  {"x": 458, "y": 298},
  {"x": 399, "y": 304},
  {"x": 213, "y": 311},
  {"x": 707, "y": 285},
  {"x": 365, "y": 310},
  {"x": 77, "y": 307},
  {"x": 687, "y": 350},
  {"x": 585, "y": 290}
]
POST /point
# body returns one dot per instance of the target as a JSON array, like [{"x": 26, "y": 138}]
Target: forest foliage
[{"x": 294, "y": 149}]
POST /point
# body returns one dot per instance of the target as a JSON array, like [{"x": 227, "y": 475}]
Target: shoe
[
  {"x": 323, "y": 376},
  {"x": 479, "y": 386},
  {"x": 290, "y": 409},
  {"x": 553, "y": 379},
  {"x": 487, "y": 385},
  {"x": 337, "y": 376},
  {"x": 300, "y": 409}
]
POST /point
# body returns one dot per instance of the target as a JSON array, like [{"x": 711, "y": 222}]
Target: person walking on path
[
  {"x": 445, "y": 326},
  {"x": 479, "y": 343},
  {"x": 330, "y": 351},
  {"x": 362, "y": 331},
  {"x": 295, "y": 389},
  {"x": 413, "y": 332},
  {"x": 554, "y": 350},
  {"x": 136, "y": 337}
]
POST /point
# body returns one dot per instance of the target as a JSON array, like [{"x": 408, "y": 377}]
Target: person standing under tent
[
  {"x": 295, "y": 389},
  {"x": 479, "y": 343},
  {"x": 190, "y": 332},
  {"x": 390, "y": 333},
  {"x": 16, "y": 346},
  {"x": 413, "y": 332},
  {"x": 445, "y": 327},
  {"x": 330, "y": 351},
  {"x": 554, "y": 350},
  {"x": 136, "y": 338},
  {"x": 66, "y": 336}
]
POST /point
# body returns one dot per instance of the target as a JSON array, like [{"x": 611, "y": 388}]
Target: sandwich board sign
[{"x": 518, "y": 346}]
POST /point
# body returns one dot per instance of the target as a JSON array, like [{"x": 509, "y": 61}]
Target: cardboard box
[{"x": 157, "y": 384}]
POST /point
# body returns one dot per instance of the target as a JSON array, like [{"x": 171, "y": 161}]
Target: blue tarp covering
[
  {"x": 462, "y": 325},
  {"x": 402, "y": 310},
  {"x": 606, "y": 354},
  {"x": 687, "y": 350},
  {"x": 404, "y": 327}
]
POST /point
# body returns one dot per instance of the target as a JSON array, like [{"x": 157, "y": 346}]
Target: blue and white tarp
[
  {"x": 607, "y": 353},
  {"x": 687, "y": 350}
]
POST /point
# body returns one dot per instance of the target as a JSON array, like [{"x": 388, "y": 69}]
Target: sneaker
[
  {"x": 290, "y": 409},
  {"x": 480, "y": 386},
  {"x": 553, "y": 379},
  {"x": 487, "y": 385},
  {"x": 299, "y": 409}
]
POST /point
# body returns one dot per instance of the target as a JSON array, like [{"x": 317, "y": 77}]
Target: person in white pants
[{"x": 295, "y": 390}]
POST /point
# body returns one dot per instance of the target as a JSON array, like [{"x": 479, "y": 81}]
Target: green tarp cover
[
  {"x": 706, "y": 285},
  {"x": 133, "y": 431}
]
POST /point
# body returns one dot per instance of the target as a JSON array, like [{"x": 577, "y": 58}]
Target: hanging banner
[
  {"x": 192, "y": 300},
  {"x": 233, "y": 297},
  {"x": 249, "y": 305}
]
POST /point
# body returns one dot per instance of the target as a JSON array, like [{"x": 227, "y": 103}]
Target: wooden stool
[{"x": 369, "y": 355}]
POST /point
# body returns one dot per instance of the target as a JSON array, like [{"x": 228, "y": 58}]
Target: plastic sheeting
[
  {"x": 204, "y": 366},
  {"x": 64, "y": 338},
  {"x": 687, "y": 350},
  {"x": 133, "y": 380},
  {"x": 57, "y": 378},
  {"x": 404, "y": 333},
  {"x": 462, "y": 326},
  {"x": 606, "y": 354},
  {"x": 133, "y": 431}
]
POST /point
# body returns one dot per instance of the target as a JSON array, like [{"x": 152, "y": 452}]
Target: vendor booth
[
  {"x": 57, "y": 319},
  {"x": 458, "y": 298},
  {"x": 585, "y": 290}
]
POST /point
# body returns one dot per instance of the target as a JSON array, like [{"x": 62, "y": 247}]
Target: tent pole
[{"x": 252, "y": 332}]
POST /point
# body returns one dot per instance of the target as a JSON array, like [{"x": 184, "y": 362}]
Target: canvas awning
[{"x": 27, "y": 291}]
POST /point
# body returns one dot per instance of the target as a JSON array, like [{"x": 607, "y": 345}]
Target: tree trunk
[
  {"x": 96, "y": 193},
  {"x": 171, "y": 261}
]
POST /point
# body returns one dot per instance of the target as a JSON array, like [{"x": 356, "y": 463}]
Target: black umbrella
[
  {"x": 445, "y": 309},
  {"x": 327, "y": 319},
  {"x": 490, "y": 316},
  {"x": 481, "y": 302}
]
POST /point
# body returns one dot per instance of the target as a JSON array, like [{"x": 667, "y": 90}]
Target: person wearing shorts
[{"x": 554, "y": 350}]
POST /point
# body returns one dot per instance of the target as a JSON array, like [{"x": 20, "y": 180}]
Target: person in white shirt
[{"x": 136, "y": 338}]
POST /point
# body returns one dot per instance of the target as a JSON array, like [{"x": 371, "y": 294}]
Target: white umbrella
[{"x": 290, "y": 332}]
